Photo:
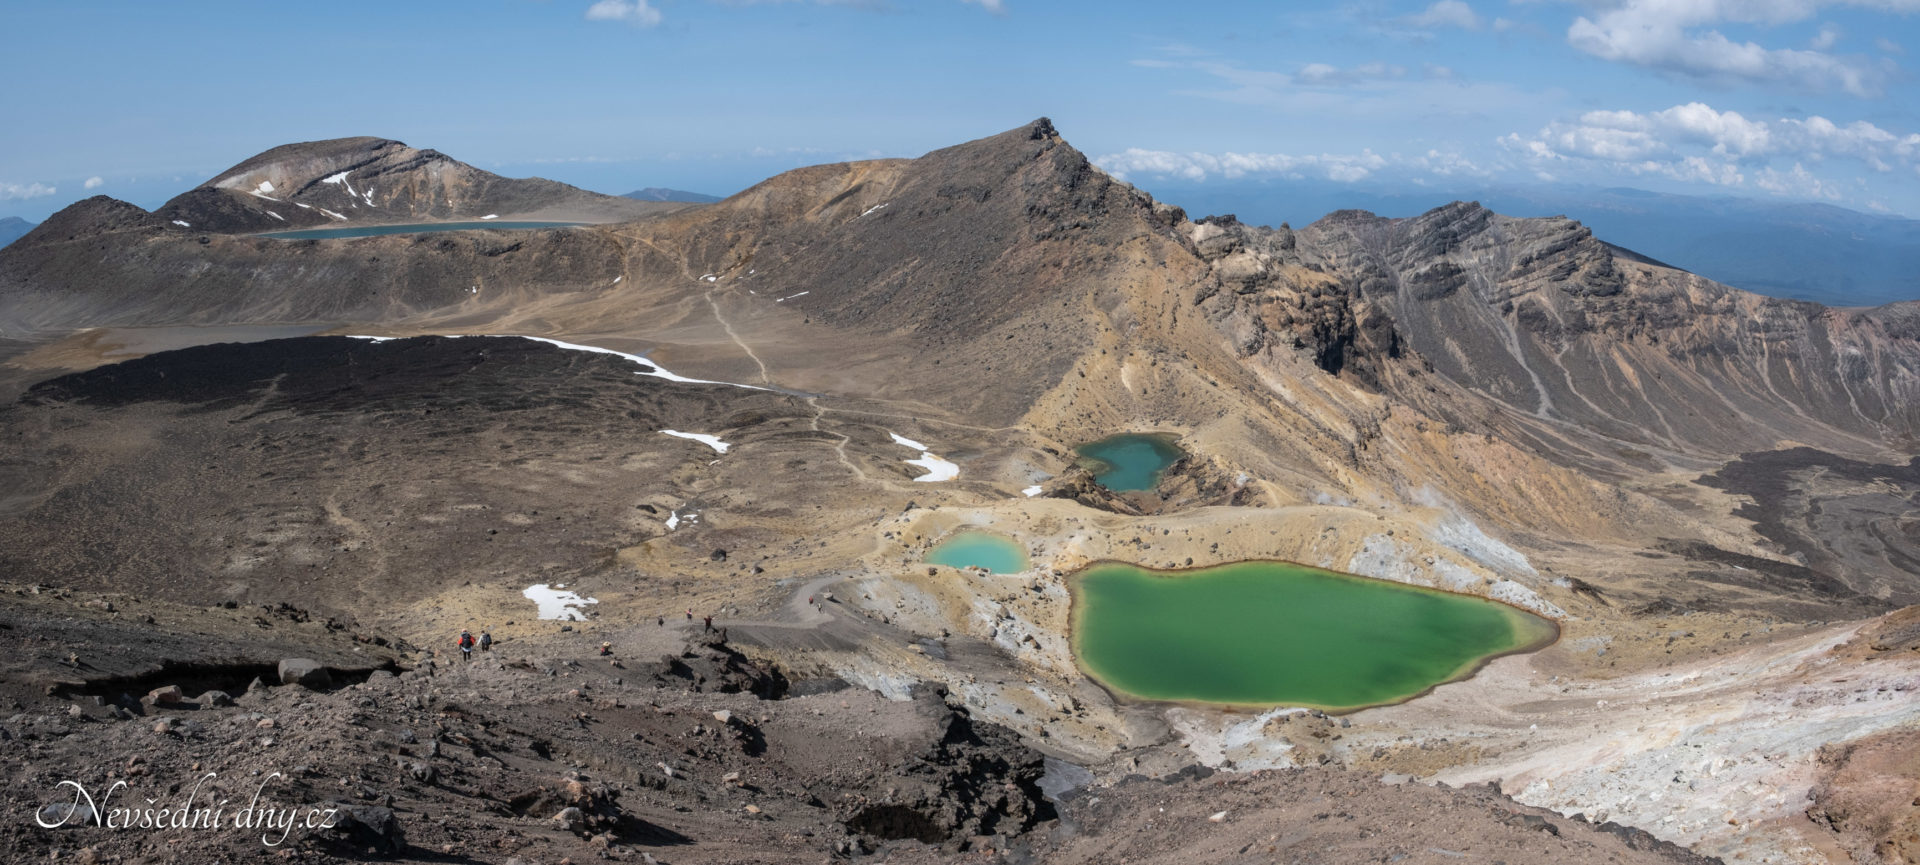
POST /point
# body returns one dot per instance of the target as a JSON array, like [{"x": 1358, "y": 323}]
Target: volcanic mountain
[
  {"x": 660, "y": 193},
  {"x": 13, "y": 228},
  {"x": 1696, "y": 482}
]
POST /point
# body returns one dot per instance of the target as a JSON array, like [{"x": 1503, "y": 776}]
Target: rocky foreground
[{"x": 542, "y": 751}]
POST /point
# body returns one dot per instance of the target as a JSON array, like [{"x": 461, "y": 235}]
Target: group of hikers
[{"x": 467, "y": 643}]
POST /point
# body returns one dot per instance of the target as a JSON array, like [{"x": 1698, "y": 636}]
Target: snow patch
[
  {"x": 265, "y": 186},
  {"x": 557, "y": 604},
  {"x": 303, "y": 206},
  {"x": 1031, "y": 491},
  {"x": 616, "y": 280},
  {"x": 182, "y": 223},
  {"x": 491, "y": 216},
  {"x": 336, "y": 178},
  {"x": 876, "y": 207},
  {"x": 792, "y": 296},
  {"x": 276, "y": 216},
  {"x": 652, "y": 369},
  {"x": 712, "y": 441},
  {"x": 675, "y": 518},
  {"x": 332, "y": 214},
  {"x": 937, "y": 468}
]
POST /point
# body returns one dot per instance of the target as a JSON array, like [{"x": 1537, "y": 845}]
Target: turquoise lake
[{"x": 1130, "y": 461}]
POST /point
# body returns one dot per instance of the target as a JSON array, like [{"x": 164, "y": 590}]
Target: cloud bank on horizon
[{"x": 1804, "y": 99}]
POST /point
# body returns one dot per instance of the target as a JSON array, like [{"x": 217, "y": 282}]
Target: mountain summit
[{"x": 346, "y": 181}]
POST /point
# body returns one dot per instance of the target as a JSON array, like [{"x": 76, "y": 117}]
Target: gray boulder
[{"x": 305, "y": 672}]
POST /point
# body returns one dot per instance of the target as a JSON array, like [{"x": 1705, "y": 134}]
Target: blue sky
[{"x": 1803, "y": 99}]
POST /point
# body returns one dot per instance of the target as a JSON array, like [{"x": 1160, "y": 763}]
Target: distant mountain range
[
  {"x": 661, "y": 193},
  {"x": 12, "y": 228},
  {"x": 1793, "y": 250}
]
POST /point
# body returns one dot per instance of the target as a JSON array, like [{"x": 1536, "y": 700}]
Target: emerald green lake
[
  {"x": 416, "y": 228},
  {"x": 1277, "y": 633},
  {"x": 979, "y": 549},
  {"x": 1130, "y": 461}
]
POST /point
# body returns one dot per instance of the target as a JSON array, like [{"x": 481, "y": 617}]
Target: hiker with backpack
[{"x": 466, "y": 645}]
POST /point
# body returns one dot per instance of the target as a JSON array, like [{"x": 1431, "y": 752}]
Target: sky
[{"x": 1792, "y": 99}]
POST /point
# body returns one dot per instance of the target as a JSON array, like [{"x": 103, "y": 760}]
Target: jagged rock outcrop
[{"x": 1560, "y": 326}]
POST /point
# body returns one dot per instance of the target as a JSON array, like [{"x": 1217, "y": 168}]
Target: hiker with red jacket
[{"x": 466, "y": 645}]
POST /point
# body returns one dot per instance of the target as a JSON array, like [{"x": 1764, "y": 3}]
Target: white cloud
[
  {"x": 1828, "y": 36},
  {"x": 1330, "y": 76},
  {"x": 9, "y": 191},
  {"x": 636, "y": 12},
  {"x": 1341, "y": 168},
  {"x": 94, "y": 183},
  {"x": 1444, "y": 14},
  {"x": 1699, "y": 144},
  {"x": 1675, "y": 36},
  {"x": 1888, "y": 46},
  {"x": 997, "y": 7}
]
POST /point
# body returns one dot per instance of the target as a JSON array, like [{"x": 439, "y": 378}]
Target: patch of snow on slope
[
  {"x": 276, "y": 216},
  {"x": 876, "y": 207},
  {"x": 937, "y": 468},
  {"x": 266, "y": 186},
  {"x": 332, "y": 214},
  {"x": 652, "y": 369},
  {"x": 712, "y": 441},
  {"x": 491, "y": 216},
  {"x": 557, "y": 604},
  {"x": 1032, "y": 491},
  {"x": 182, "y": 223},
  {"x": 792, "y": 296}
]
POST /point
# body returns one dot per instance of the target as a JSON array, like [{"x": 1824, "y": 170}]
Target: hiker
[
  {"x": 709, "y": 624},
  {"x": 466, "y": 645},
  {"x": 606, "y": 649},
  {"x": 663, "y": 621},
  {"x": 689, "y": 614},
  {"x": 486, "y": 641}
]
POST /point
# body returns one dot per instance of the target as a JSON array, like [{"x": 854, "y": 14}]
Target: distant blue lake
[{"x": 413, "y": 228}]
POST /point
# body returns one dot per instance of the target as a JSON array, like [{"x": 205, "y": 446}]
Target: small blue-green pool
[
  {"x": 976, "y": 549},
  {"x": 1130, "y": 461}
]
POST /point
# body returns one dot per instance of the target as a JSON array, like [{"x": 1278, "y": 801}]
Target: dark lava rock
[{"x": 708, "y": 664}]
